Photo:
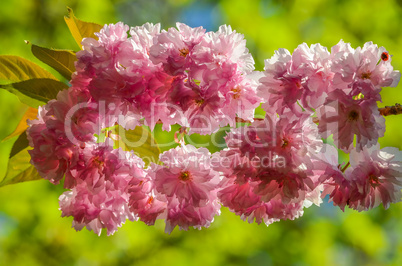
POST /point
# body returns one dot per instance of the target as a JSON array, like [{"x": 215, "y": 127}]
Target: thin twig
[
  {"x": 344, "y": 168},
  {"x": 391, "y": 110}
]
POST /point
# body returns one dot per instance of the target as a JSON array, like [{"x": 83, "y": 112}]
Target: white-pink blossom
[
  {"x": 365, "y": 70},
  {"x": 376, "y": 177},
  {"x": 173, "y": 48},
  {"x": 225, "y": 46},
  {"x": 294, "y": 80},
  {"x": 188, "y": 185},
  {"x": 99, "y": 196},
  {"x": 345, "y": 116}
]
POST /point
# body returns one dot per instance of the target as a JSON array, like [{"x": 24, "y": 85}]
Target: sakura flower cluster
[
  {"x": 134, "y": 76},
  {"x": 339, "y": 90},
  {"x": 268, "y": 169},
  {"x": 188, "y": 76},
  {"x": 271, "y": 169},
  {"x": 341, "y": 87}
]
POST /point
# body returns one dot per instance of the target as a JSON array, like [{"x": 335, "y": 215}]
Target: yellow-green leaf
[
  {"x": 16, "y": 69},
  {"x": 80, "y": 29},
  {"x": 19, "y": 169},
  {"x": 139, "y": 140},
  {"x": 35, "y": 92},
  {"x": 61, "y": 60},
  {"x": 30, "y": 113}
]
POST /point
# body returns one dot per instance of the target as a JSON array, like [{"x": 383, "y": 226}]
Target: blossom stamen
[
  {"x": 98, "y": 162},
  {"x": 366, "y": 75},
  {"x": 150, "y": 200},
  {"x": 353, "y": 115},
  {"x": 285, "y": 143},
  {"x": 374, "y": 181},
  {"x": 185, "y": 176},
  {"x": 184, "y": 52},
  {"x": 199, "y": 102},
  {"x": 236, "y": 93}
]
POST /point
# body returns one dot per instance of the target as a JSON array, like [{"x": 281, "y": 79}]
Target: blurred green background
[{"x": 31, "y": 229}]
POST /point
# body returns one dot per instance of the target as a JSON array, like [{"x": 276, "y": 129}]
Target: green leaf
[
  {"x": 30, "y": 113},
  {"x": 139, "y": 140},
  {"x": 20, "y": 144},
  {"x": 19, "y": 169},
  {"x": 80, "y": 29},
  {"x": 61, "y": 60},
  {"x": 35, "y": 92},
  {"x": 16, "y": 69}
]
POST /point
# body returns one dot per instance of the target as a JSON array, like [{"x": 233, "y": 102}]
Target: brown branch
[
  {"x": 241, "y": 120},
  {"x": 391, "y": 110}
]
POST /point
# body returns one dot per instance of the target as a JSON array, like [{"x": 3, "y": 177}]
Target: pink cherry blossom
[
  {"x": 331, "y": 176},
  {"x": 62, "y": 127},
  {"x": 238, "y": 193},
  {"x": 184, "y": 214},
  {"x": 188, "y": 184},
  {"x": 120, "y": 73},
  {"x": 373, "y": 177},
  {"x": 105, "y": 209},
  {"x": 173, "y": 48},
  {"x": 345, "y": 116},
  {"x": 143, "y": 201},
  {"x": 209, "y": 106},
  {"x": 224, "y": 46},
  {"x": 364, "y": 70},
  {"x": 100, "y": 180},
  {"x": 301, "y": 78},
  {"x": 273, "y": 211},
  {"x": 242, "y": 99},
  {"x": 204, "y": 114},
  {"x": 143, "y": 36},
  {"x": 267, "y": 167},
  {"x": 51, "y": 151},
  {"x": 376, "y": 177}
]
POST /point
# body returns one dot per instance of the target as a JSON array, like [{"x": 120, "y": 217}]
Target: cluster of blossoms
[
  {"x": 270, "y": 170},
  {"x": 185, "y": 75}
]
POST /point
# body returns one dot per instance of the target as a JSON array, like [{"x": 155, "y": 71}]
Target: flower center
[
  {"x": 374, "y": 181},
  {"x": 366, "y": 75},
  {"x": 185, "y": 176},
  {"x": 98, "y": 162},
  {"x": 353, "y": 115},
  {"x": 184, "y": 52},
  {"x": 199, "y": 102},
  {"x": 150, "y": 200},
  {"x": 285, "y": 143},
  {"x": 236, "y": 93}
]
